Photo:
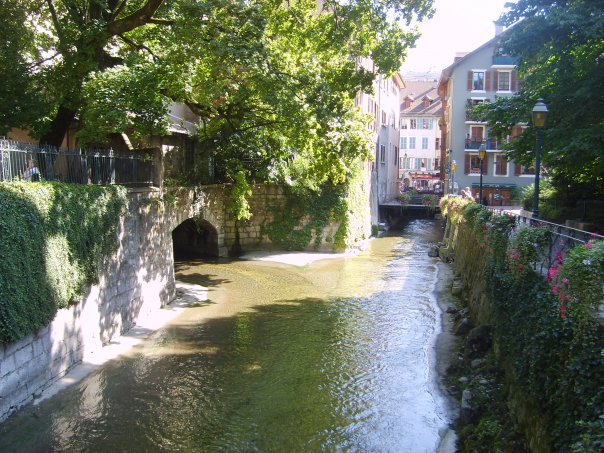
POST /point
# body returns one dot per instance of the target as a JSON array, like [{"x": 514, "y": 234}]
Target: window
[
  {"x": 403, "y": 142},
  {"x": 503, "y": 80},
  {"x": 424, "y": 142},
  {"x": 501, "y": 165},
  {"x": 406, "y": 163},
  {"x": 474, "y": 164},
  {"x": 437, "y": 143},
  {"x": 384, "y": 119},
  {"x": 395, "y": 155},
  {"x": 403, "y": 123},
  {"x": 429, "y": 164},
  {"x": 527, "y": 169},
  {"x": 418, "y": 164},
  {"x": 382, "y": 153},
  {"x": 478, "y": 81},
  {"x": 412, "y": 123},
  {"x": 411, "y": 142}
]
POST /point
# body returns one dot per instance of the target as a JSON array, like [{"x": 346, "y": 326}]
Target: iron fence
[
  {"x": 561, "y": 239},
  {"x": 22, "y": 161}
]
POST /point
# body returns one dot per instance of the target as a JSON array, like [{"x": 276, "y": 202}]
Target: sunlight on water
[{"x": 323, "y": 355}]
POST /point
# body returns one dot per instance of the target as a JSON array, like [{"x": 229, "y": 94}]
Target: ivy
[
  {"x": 545, "y": 331},
  {"x": 53, "y": 239}
]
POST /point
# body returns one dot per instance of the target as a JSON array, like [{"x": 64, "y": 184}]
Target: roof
[{"x": 416, "y": 92}]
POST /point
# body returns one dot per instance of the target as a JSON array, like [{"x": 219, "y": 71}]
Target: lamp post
[
  {"x": 539, "y": 117},
  {"x": 482, "y": 153},
  {"x": 453, "y": 168}
]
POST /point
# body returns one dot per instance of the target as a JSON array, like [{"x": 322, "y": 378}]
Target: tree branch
[
  {"x": 55, "y": 21},
  {"x": 138, "y": 46},
  {"x": 157, "y": 21},
  {"x": 136, "y": 19}
]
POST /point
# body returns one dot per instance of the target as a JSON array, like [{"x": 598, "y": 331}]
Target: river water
[{"x": 335, "y": 355}]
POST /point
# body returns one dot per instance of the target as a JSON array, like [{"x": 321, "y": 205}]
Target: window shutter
[
  {"x": 485, "y": 165},
  {"x": 467, "y": 164},
  {"x": 513, "y": 82},
  {"x": 495, "y": 80},
  {"x": 516, "y": 131},
  {"x": 487, "y": 80},
  {"x": 470, "y": 77},
  {"x": 517, "y": 169}
]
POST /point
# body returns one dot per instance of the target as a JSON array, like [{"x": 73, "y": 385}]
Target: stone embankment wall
[{"x": 137, "y": 278}]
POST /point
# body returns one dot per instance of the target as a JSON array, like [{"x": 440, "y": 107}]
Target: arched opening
[{"x": 193, "y": 239}]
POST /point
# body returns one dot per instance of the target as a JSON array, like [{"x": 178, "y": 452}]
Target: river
[{"x": 334, "y": 355}]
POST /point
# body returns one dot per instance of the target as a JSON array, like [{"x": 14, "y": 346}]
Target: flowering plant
[
  {"x": 526, "y": 250},
  {"x": 576, "y": 280}
]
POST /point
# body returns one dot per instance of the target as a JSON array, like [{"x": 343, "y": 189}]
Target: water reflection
[{"x": 336, "y": 355}]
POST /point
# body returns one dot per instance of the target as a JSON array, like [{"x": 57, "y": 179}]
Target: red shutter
[
  {"x": 470, "y": 77},
  {"x": 513, "y": 84},
  {"x": 487, "y": 80},
  {"x": 485, "y": 165},
  {"x": 466, "y": 166},
  {"x": 516, "y": 131},
  {"x": 517, "y": 170},
  {"x": 495, "y": 80}
]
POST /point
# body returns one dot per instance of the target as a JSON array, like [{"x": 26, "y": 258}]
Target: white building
[{"x": 420, "y": 147}]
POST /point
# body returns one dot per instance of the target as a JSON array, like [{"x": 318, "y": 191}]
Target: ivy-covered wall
[
  {"x": 53, "y": 236},
  {"x": 546, "y": 334}
]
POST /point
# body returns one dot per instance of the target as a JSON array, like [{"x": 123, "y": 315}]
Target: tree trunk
[{"x": 58, "y": 127}]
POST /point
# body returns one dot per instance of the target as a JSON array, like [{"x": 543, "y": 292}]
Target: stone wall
[{"x": 138, "y": 278}]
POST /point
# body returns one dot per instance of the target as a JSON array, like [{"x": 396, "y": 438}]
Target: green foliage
[
  {"x": 273, "y": 84},
  {"x": 552, "y": 354},
  {"x": 238, "y": 204},
  {"x": 559, "y": 46},
  {"x": 53, "y": 238},
  {"x": 306, "y": 213}
]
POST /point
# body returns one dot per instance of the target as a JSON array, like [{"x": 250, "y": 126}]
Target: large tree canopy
[
  {"x": 560, "y": 50},
  {"x": 269, "y": 79}
]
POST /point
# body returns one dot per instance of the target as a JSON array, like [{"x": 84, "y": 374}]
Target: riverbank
[{"x": 446, "y": 347}]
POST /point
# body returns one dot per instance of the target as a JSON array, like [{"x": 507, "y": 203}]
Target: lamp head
[
  {"x": 539, "y": 114},
  {"x": 482, "y": 151}
]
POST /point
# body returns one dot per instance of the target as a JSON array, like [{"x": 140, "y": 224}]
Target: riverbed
[{"x": 329, "y": 354}]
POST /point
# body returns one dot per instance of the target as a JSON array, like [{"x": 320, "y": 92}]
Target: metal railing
[
  {"x": 562, "y": 238},
  {"x": 22, "y": 161}
]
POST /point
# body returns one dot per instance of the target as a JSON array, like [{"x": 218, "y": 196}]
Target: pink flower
[
  {"x": 520, "y": 266},
  {"x": 565, "y": 281},
  {"x": 563, "y": 311},
  {"x": 563, "y": 297},
  {"x": 588, "y": 245},
  {"x": 551, "y": 273},
  {"x": 555, "y": 289}
]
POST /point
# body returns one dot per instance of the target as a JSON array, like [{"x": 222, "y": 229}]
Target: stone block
[{"x": 23, "y": 356}]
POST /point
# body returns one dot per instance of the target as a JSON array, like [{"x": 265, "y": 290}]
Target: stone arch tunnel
[{"x": 193, "y": 239}]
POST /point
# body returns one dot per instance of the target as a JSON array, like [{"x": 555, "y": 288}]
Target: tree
[
  {"x": 272, "y": 82},
  {"x": 560, "y": 51}
]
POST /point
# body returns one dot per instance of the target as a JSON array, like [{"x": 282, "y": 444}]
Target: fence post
[{"x": 158, "y": 167}]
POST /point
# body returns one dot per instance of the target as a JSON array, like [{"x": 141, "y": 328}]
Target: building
[
  {"x": 383, "y": 105},
  {"x": 476, "y": 77},
  {"x": 420, "y": 146}
]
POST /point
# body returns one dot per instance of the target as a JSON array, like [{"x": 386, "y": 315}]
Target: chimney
[{"x": 498, "y": 28}]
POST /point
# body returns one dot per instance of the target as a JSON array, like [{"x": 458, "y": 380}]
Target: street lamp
[
  {"x": 453, "y": 168},
  {"x": 482, "y": 153},
  {"x": 539, "y": 117}
]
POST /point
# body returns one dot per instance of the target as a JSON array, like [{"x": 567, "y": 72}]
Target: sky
[{"x": 457, "y": 26}]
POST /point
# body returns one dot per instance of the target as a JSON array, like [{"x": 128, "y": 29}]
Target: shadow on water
[{"x": 328, "y": 357}]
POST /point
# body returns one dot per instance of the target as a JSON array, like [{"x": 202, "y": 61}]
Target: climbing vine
[
  {"x": 53, "y": 238},
  {"x": 545, "y": 329}
]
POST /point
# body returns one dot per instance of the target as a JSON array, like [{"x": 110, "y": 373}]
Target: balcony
[{"x": 490, "y": 143}]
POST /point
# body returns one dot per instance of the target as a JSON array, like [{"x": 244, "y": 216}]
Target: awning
[{"x": 424, "y": 175}]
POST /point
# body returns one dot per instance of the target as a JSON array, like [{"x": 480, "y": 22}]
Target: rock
[
  {"x": 456, "y": 287},
  {"x": 466, "y": 412},
  {"x": 463, "y": 327},
  {"x": 452, "y": 310},
  {"x": 476, "y": 363},
  {"x": 463, "y": 380},
  {"x": 433, "y": 252},
  {"x": 478, "y": 341}
]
